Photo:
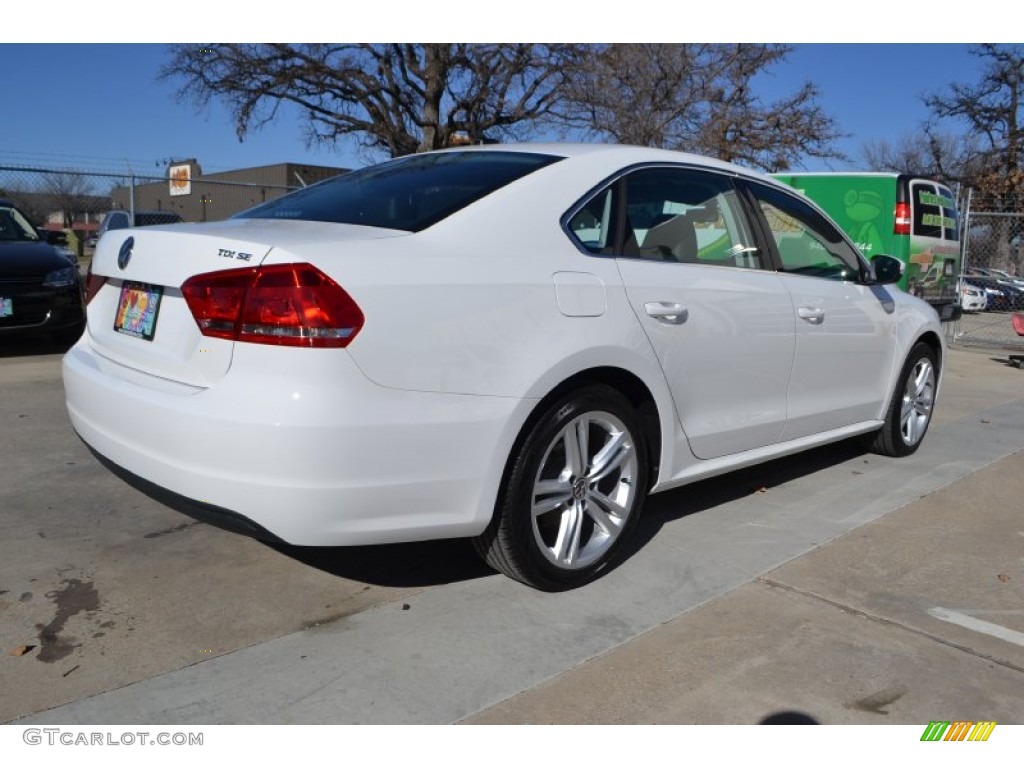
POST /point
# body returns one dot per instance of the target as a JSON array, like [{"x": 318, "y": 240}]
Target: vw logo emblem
[{"x": 125, "y": 254}]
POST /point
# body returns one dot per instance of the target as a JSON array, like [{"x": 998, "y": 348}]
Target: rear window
[
  {"x": 410, "y": 193},
  {"x": 934, "y": 211}
]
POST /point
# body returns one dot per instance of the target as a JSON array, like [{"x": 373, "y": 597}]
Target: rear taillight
[
  {"x": 293, "y": 305},
  {"x": 902, "y": 225},
  {"x": 93, "y": 283}
]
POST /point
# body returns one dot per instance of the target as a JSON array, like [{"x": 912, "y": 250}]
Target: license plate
[
  {"x": 6, "y": 307},
  {"x": 137, "y": 310}
]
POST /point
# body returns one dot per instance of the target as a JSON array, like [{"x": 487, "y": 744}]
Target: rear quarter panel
[{"x": 469, "y": 306}]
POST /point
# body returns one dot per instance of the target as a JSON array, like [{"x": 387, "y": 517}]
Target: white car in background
[
  {"x": 510, "y": 343},
  {"x": 973, "y": 298}
]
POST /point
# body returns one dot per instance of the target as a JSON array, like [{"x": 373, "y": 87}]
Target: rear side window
[
  {"x": 673, "y": 215},
  {"x": 934, "y": 211},
  {"x": 591, "y": 225},
  {"x": 410, "y": 193},
  {"x": 687, "y": 216}
]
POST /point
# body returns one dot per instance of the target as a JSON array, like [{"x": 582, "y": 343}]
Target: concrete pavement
[
  {"x": 911, "y": 618},
  {"x": 849, "y": 587}
]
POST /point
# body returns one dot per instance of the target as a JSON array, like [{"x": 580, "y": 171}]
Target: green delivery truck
[{"x": 912, "y": 218}]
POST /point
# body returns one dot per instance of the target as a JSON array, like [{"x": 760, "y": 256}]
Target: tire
[
  {"x": 573, "y": 492},
  {"x": 910, "y": 412}
]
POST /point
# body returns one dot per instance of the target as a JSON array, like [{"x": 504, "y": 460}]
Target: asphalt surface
[{"x": 844, "y": 586}]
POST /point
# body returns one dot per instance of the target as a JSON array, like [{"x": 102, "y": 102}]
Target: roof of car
[{"x": 625, "y": 153}]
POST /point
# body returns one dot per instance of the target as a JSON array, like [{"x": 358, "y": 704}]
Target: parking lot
[{"x": 841, "y": 585}]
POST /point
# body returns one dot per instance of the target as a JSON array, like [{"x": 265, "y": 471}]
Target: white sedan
[
  {"x": 973, "y": 298},
  {"x": 513, "y": 343}
]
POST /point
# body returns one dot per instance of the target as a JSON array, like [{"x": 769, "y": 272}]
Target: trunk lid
[{"x": 139, "y": 319}]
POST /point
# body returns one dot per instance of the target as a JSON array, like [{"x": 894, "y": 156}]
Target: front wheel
[
  {"x": 573, "y": 493},
  {"x": 910, "y": 411}
]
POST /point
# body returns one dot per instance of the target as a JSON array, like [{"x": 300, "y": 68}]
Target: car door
[
  {"x": 720, "y": 323},
  {"x": 845, "y": 327}
]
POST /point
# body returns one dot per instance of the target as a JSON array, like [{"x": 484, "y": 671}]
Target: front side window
[
  {"x": 410, "y": 193},
  {"x": 807, "y": 243}
]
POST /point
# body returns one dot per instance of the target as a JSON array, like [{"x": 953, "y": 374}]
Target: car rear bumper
[
  {"x": 207, "y": 513},
  {"x": 302, "y": 446}
]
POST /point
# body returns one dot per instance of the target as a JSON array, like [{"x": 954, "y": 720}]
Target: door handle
[
  {"x": 813, "y": 315},
  {"x": 667, "y": 312}
]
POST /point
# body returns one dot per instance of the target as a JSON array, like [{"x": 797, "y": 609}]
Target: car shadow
[
  {"x": 417, "y": 564},
  {"x": 1012, "y": 360},
  {"x": 703, "y": 495},
  {"x": 430, "y": 563}
]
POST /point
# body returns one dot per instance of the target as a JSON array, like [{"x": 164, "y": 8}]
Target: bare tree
[
  {"x": 71, "y": 194},
  {"x": 991, "y": 111},
  {"x": 32, "y": 204},
  {"x": 397, "y": 98},
  {"x": 946, "y": 156},
  {"x": 697, "y": 98}
]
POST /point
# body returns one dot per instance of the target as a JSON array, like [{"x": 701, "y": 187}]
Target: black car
[{"x": 40, "y": 288}]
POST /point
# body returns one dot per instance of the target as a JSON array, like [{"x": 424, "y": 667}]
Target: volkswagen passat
[{"x": 514, "y": 344}]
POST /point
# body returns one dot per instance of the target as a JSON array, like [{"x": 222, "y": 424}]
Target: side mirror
[{"x": 886, "y": 270}]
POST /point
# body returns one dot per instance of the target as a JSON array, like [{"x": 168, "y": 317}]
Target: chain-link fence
[
  {"x": 75, "y": 201},
  {"x": 992, "y": 285}
]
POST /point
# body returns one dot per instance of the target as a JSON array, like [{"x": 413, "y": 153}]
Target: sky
[{"x": 101, "y": 105}]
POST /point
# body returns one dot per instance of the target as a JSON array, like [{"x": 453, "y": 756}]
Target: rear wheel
[
  {"x": 910, "y": 411},
  {"x": 573, "y": 493}
]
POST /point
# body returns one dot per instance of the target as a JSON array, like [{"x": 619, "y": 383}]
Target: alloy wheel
[
  {"x": 585, "y": 490},
  {"x": 918, "y": 399}
]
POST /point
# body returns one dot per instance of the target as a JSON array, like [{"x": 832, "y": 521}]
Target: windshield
[
  {"x": 14, "y": 226},
  {"x": 410, "y": 193}
]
